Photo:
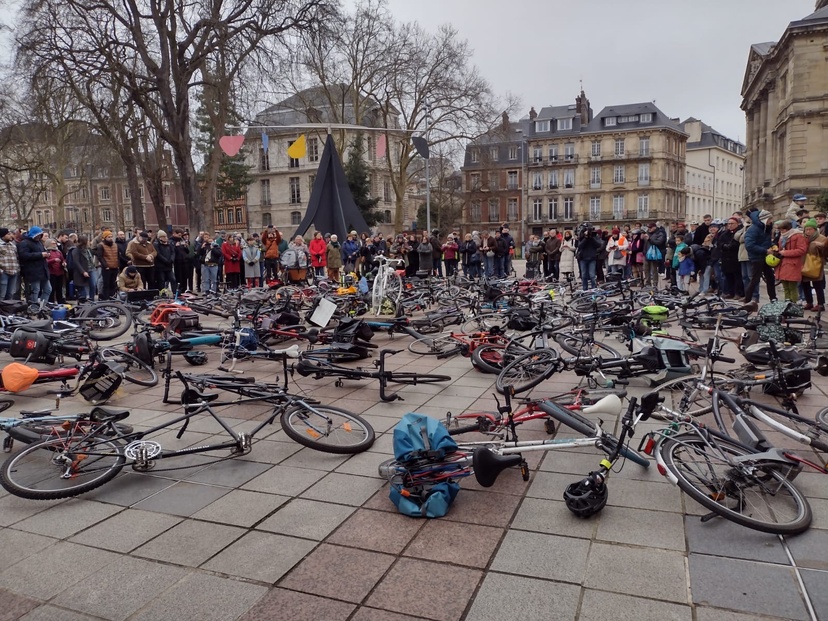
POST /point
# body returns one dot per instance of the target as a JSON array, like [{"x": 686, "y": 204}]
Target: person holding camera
[
  {"x": 587, "y": 250},
  {"x": 319, "y": 254}
]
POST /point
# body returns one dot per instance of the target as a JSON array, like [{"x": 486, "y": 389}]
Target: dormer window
[
  {"x": 564, "y": 124},
  {"x": 647, "y": 117},
  {"x": 541, "y": 126},
  {"x": 609, "y": 121}
]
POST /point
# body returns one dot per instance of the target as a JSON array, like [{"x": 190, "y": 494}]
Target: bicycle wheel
[
  {"x": 822, "y": 418},
  {"x": 528, "y": 370},
  {"x": 489, "y": 358},
  {"x": 683, "y": 395},
  {"x": 750, "y": 493},
  {"x": 336, "y": 355},
  {"x": 485, "y": 322},
  {"x": 580, "y": 423},
  {"x": 40, "y": 431},
  {"x": 106, "y": 320},
  {"x": 417, "y": 378},
  {"x": 62, "y": 467},
  {"x": 579, "y": 345},
  {"x": 327, "y": 429},
  {"x": 512, "y": 301},
  {"x": 134, "y": 370},
  {"x": 435, "y": 346}
]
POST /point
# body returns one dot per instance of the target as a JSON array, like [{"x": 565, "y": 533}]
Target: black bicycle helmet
[
  {"x": 196, "y": 358},
  {"x": 586, "y": 497}
]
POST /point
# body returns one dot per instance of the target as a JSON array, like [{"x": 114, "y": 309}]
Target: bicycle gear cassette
[{"x": 142, "y": 450}]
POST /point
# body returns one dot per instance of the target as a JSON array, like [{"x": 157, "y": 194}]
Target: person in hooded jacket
[
  {"x": 232, "y": 253},
  {"x": 334, "y": 259},
  {"x": 588, "y": 248},
  {"x": 319, "y": 254},
  {"x": 32, "y": 257},
  {"x": 758, "y": 238},
  {"x": 792, "y": 249},
  {"x": 729, "y": 258}
]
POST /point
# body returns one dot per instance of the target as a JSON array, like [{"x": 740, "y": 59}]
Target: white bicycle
[{"x": 388, "y": 286}]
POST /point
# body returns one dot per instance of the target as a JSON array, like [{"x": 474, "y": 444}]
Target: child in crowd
[{"x": 686, "y": 267}]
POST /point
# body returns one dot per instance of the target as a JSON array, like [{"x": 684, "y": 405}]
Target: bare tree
[{"x": 158, "y": 51}]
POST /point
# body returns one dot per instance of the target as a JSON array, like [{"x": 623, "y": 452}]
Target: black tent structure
[{"x": 331, "y": 208}]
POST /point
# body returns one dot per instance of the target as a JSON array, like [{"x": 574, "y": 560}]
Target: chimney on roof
[
  {"x": 532, "y": 114},
  {"x": 582, "y": 108}
]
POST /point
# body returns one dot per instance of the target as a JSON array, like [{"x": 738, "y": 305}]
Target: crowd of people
[{"x": 729, "y": 257}]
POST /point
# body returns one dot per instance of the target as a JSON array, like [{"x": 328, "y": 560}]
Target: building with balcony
[
  {"x": 715, "y": 172},
  {"x": 282, "y": 185},
  {"x": 565, "y": 165},
  {"x": 785, "y": 99}
]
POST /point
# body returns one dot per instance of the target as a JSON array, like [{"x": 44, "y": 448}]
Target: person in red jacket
[
  {"x": 450, "y": 251},
  {"x": 232, "y": 262},
  {"x": 792, "y": 249},
  {"x": 318, "y": 252}
]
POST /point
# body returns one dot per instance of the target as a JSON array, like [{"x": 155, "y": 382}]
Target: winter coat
[
  {"x": 468, "y": 252},
  {"x": 740, "y": 237},
  {"x": 589, "y": 248},
  {"x": 567, "y": 264},
  {"x": 125, "y": 283},
  {"x": 534, "y": 251},
  {"x": 165, "y": 255},
  {"x": 210, "y": 254},
  {"x": 122, "y": 257},
  {"x": 141, "y": 254},
  {"x": 793, "y": 247},
  {"x": 758, "y": 238},
  {"x": 251, "y": 256},
  {"x": 620, "y": 244},
  {"x": 436, "y": 248},
  {"x": 181, "y": 250},
  {"x": 657, "y": 238},
  {"x": 636, "y": 248},
  {"x": 450, "y": 250},
  {"x": 32, "y": 262},
  {"x": 232, "y": 258},
  {"x": 818, "y": 246},
  {"x": 55, "y": 262},
  {"x": 82, "y": 262},
  {"x": 334, "y": 256},
  {"x": 552, "y": 246},
  {"x": 501, "y": 247},
  {"x": 791, "y": 214},
  {"x": 686, "y": 266},
  {"x": 350, "y": 252},
  {"x": 426, "y": 253},
  {"x": 318, "y": 250},
  {"x": 729, "y": 247},
  {"x": 271, "y": 248}
]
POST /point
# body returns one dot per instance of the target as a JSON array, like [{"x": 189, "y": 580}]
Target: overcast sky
[{"x": 687, "y": 55}]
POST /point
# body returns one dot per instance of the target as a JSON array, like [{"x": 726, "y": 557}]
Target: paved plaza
[{"x": 289, "y": 533}]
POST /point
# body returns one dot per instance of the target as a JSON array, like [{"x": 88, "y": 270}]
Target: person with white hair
[{"x": 334, "y": 259}]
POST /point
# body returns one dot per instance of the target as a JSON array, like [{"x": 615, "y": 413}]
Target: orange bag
[{"x": 18, "y": 377}]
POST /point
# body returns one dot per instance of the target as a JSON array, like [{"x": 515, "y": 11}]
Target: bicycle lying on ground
[
  {"x": 90, "y": 450},
  {"x": 319, "y": 369}
]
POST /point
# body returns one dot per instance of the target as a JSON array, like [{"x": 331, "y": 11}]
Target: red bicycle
[{"x": 447, "y": 345}]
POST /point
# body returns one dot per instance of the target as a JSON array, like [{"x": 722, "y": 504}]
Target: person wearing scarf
[{"x": 791, "y": 249}]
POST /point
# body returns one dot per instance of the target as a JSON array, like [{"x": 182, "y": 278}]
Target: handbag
[
  {"x": 812, "y": 269},
  {"x": 490, "y": 253},
  {"x": 617, "y": 255},
  {"x": 639, "y": 258},
  {"x": 654, "y": 254}
]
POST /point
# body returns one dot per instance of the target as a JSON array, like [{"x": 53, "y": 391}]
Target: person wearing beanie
[
  {"x": 792, "y": 248},
  {"x": 56, "y": 265},
  {"x": 758, "y": 238},
  {"x": 815, "y": 256},
  {"x": 32, "y": 256},
  {"x": 9, "y": 265},
  {"x": 797, "y": 209},
  {"x": 617, "y": 247},
  {"x": 130, "y": 279},
  {"x": 107, "y": 253}
]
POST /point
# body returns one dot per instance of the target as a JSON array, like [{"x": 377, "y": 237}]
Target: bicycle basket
[{"x": 101, "y": 383}]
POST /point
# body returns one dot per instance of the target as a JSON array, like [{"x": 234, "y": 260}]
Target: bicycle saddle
[
  {"x": 41, "y": 325},
  {"x": 192, "y": 396},
  {"x": 312, "y": 335},
  {"x": 36, "y": 413},
  {"x": 488, "y": 465},
  {"x": 100, "y": 414}
]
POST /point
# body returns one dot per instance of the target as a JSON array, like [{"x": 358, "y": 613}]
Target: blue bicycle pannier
[{"x": 418, "y": 437}]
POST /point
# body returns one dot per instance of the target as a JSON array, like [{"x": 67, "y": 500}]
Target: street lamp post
[{"x": 427, "y": 176}]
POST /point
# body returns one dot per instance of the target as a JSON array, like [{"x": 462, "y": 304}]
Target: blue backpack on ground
[{"x": 418, "y": 438}]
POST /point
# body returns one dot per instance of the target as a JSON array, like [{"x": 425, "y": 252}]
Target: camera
[{"x": 584, "y": 229}]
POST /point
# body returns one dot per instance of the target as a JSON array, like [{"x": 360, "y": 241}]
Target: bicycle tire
[
  {"x": 30, "y": 433},
  {"x": 512, "y": 301},
  {"x": 822, "y": 418},
  {"x": 116, "y": 315},
  {"x": 580, "y": 423},
  {"x": 705, "y": 490},
  {"x": 489, "y": 358},
  {"x": 14, "y": 469},
  {"x": 527, "y": 370},
  {"x": 134, "y": 370},
  {"x": 335, "y": 355},
  {"x": 346, "y": 433},
  {"x": 580, "y": 346},
  {"x": 485, "y": 322},
  {"x": 591, "y": 304},
  {"x": 435, "y": 346},
  {"x": 699, "y": 402},
  {"x": 413, "y": 379}
]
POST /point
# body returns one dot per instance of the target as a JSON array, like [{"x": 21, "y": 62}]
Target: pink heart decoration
[{"x": 231, "y": 144}]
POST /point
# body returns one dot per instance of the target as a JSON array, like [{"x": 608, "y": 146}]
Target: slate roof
[
  {"x": 660, "y": 119},
  {"x": 708, "y": 136},
  {"x": 820, "y": 15}
]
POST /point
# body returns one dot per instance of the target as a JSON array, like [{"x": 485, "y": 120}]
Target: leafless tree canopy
[{"x": 155, "y": 55}]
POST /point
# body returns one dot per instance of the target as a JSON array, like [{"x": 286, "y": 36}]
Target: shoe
[
  {"x": 728, "y": 297},
  {"x": 751, "y": 307},
  {"x": 808, "y": 307},
  {"x": 819, "y": 308}
]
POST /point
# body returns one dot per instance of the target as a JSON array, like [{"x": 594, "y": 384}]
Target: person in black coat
[
  {"x": 32, "y": 256},
  {"x": 729, "y": 257},
  {"x": 164, "y": 262},
  {"x": 590, "y": 245},
  {"x": 470, "y": 257}
]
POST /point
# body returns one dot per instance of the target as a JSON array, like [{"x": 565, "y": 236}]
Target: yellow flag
[{"x": 298, "y": 148}]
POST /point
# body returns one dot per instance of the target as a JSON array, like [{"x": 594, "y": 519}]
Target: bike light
[
  {"x": 662, "y": 470},
  {"x": 648, "y": 446}
]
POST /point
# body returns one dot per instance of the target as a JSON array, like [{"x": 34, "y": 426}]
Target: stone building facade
[
  {"x": 715, "y": 172},
  {"x": 785, "y": 99}
]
